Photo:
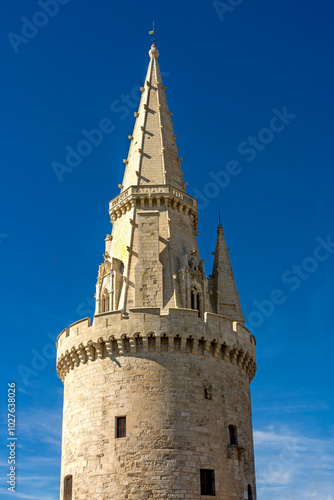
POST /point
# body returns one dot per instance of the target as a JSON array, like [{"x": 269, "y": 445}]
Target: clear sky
[{"x": 249, "y": 82}]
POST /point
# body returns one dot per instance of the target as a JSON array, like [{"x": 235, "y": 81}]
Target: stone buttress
[{"x": 167, "y": 354}]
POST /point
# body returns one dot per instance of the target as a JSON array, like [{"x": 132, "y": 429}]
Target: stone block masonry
[
  {"x": 148, "y": 271},
  {"x": 153, "y": 369}
]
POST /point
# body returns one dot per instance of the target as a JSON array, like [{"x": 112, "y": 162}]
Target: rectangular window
[
  {"x": 233, "y": 434},
  {"x": 208, "y": 482},
  {"x": 68, "y": 488},
  {"x": 121, "y": 427}
]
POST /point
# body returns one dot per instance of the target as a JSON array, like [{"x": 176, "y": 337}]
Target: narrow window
[
  {"x": 68, "y": 488},
  {"x": 104, "y": 302},
  {"x": 193, "y": 300},
  {"x": 121, "y": 427},
  {"x": 250, "y": 494},
  {"x": 208, "y": 392},
  {"x": 233, "y": 434},
  {"x": 196, "y": 300},
  {"x": 208, "y": 482},
  {"x": 198, "y": 305}
]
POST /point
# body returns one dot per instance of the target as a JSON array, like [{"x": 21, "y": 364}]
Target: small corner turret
[{"x": 224, "y": 295}]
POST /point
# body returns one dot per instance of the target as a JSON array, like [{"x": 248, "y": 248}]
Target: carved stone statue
[
  {"x": 192, "y": 263},
  {"x": 201, "y": 266}
]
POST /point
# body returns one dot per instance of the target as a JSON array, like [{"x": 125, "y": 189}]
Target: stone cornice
[{"x": 166, "y": 194}]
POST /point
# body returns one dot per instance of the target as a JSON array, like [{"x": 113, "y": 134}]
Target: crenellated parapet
[{"x": 146, "y": 330}]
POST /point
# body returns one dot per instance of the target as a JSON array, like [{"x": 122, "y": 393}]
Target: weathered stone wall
[
  {"x": 158, "y": 383},
  {"x": 148, "y": 270}
]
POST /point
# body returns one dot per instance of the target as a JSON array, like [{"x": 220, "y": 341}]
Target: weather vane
[{"x": 153, "y": 33}]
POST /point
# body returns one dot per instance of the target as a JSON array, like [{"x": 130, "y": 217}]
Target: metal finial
[
  {"x": 219, "y": 217},
  {"x": 153, "y": 33}
]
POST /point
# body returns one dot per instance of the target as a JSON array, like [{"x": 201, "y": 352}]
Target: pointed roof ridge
[{"x": 153, "y": 155}]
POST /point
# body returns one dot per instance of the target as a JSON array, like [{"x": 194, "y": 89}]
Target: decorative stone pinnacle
[{"x": 154, "y": 51}]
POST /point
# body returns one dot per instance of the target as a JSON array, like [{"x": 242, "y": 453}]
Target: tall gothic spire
[
  {"x": 153, "y": 154},
  {"x": 151, "y": 257}
]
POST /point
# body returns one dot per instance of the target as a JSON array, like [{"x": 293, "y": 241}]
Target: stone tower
[{"x": 157, "y": 390}]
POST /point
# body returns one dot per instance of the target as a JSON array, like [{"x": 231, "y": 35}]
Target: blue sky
[{"x": 249, "y": 83}]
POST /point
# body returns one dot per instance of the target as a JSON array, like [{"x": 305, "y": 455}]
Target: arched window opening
[
  {"x": 250, "y": 493},
  {"x": 233, "y": 431},
  {"x": 196, "y": 300},
  {"x": 68, "y": 488},
  {"x": 104, "y": 303}
]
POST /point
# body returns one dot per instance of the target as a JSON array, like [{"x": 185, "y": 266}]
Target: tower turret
[
  {"x": 222, "y": 284},
  {"x": 156, "y": 390}
]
